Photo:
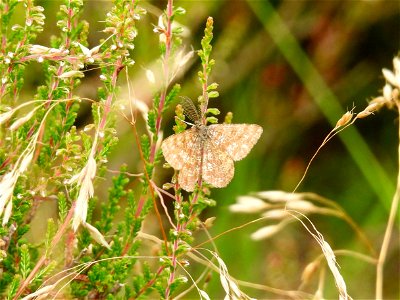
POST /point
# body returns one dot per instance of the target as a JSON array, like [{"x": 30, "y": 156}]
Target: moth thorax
[{"x": 202, "y": 131}]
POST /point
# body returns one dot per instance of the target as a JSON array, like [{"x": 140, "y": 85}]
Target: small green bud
[
  {"x": 212, "y": 120},
  {"x": 213, "y": 111},
  {"x": 201, "y": 76},
  {"x": 212, "y": 86},
  {"x": 228, "y": 118},
  {"x": 177, "y": 30},
  {"x": 213, "y": 94},
  {"x": 179, "y": 11}
]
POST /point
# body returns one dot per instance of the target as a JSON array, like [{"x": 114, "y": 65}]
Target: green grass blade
[{"x": 325, "y": 99}]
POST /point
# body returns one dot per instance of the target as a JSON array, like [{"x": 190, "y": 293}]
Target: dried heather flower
[
  {"x": 4, "y": 117},
  {"x": 81, "y": 207},
  {"x": 96, "y": 235},
  {"x": 7, "y": 213},
  {"x": 21, "y": 121},
  {"x": 44, "y": 291},
  {"x": 38, "y": 49},
  {"x": 89, "y": 53},
  {"x": 26, "y": 160},
  {"x": 8, "y": 182},
  {"x": 7, "y": 185},
  {"x": 84, "y": 179},
  {"x": 204, "y": 295},
  {"x": 70, "y": 74}
]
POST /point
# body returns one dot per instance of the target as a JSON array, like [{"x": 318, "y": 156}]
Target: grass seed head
[{"x": 345, "y": 119}]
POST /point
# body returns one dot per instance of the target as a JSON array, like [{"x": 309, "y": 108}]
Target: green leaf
[
  {"x": 62, "y": 206},
  {"x": 212, "y": 86},
  {"x": 151, "y": 120},
  {"x": 213, "y": 111},
  {"x": 179, "y": 11},
  {"x": 145, "y": 144},
  {"x": 177, "y": 30},
  {"x": 213, "y": 94},
  {"x": 171, "y": 96},
  {"x": 51, "y": 230},
  {"x": 24, "y": 267},
  {"x": 13, "y": 287}
]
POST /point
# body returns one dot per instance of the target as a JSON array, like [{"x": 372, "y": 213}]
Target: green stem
[{"x": 388, "y": 232}]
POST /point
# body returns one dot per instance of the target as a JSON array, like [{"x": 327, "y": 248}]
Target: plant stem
[
  {"x": 389, "y": 230},
  {"x": 179, "y": 227},
  {"x": 59, "y": 235},
  {"x": 168, "y": 45}
]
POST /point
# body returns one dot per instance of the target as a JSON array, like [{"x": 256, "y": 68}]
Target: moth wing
[
  {"x": 218, "y": 168},
  {"x": 235, "y": 139},
  {"x": 178, "y": 148},
  {"x": 190, "y": 172}
]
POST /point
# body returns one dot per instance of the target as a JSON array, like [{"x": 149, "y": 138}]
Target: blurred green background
[{"x": 292, "y": 67}]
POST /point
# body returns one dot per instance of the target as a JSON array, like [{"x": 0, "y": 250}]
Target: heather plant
[
  {"x": 45, "y": 157},
  {"x": 138, "y": 240}
]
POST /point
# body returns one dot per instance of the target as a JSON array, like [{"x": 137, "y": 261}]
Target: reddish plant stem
[
  {"x": 65, "y": 225},
  {"x": 19, "y": 45},
  {"x": 160, "y": 108},
  {"x": 168, "y": 45},
  {"x": 43, "y": 259},
  {"x": 205, "y": 95},
  {"x": 150, "y": 283},
  {"x": 183, "y": 226},
  {"x": 54, "y": 86},
  {"x": 175, "y": 246},
  {"x": 143, "y": 199}
]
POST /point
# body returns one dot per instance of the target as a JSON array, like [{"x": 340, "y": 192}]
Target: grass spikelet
[{"x": 329, "y": 255}]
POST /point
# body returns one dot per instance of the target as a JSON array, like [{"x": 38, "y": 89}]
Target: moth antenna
[{"x": 188, "y": 123}]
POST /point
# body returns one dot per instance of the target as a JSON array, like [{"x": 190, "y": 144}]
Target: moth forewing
[
  {"x": 236, "y": 139},
  {"x": 177, "y": 148}
]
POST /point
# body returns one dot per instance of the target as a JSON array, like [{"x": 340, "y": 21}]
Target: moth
[{"x": 208, "y": 152}]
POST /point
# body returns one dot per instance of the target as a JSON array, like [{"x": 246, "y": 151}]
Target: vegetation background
[{"x": 293, "y": 92}]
